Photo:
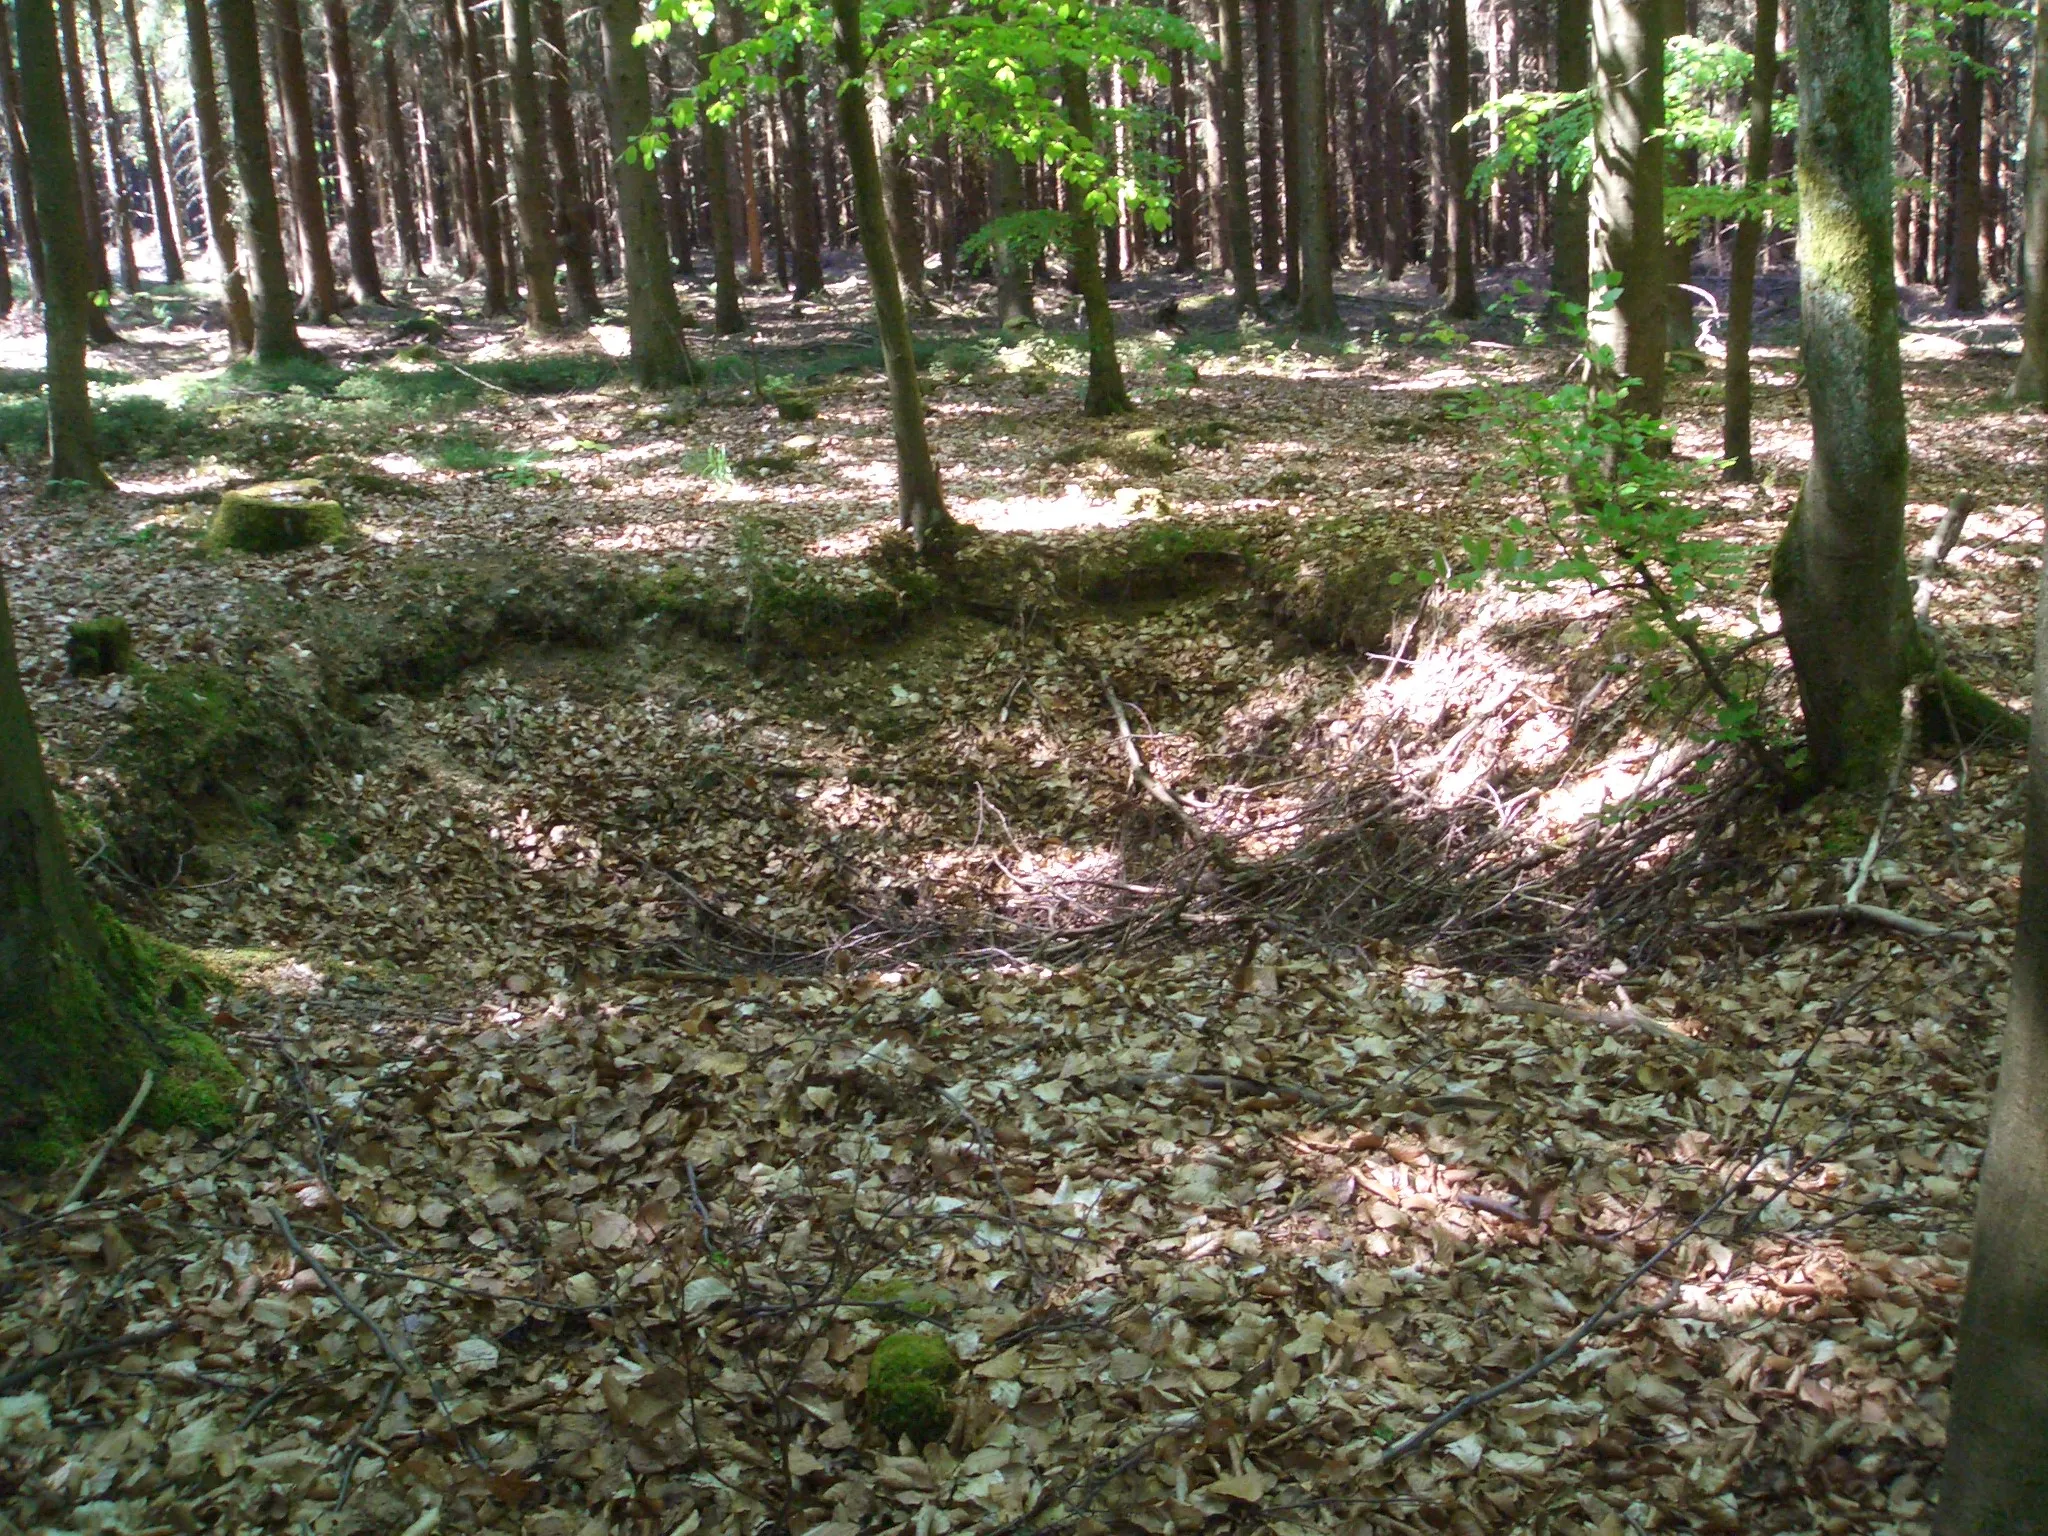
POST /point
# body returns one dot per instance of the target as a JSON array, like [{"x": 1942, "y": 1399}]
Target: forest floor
[{"x": 674, "y": 940}]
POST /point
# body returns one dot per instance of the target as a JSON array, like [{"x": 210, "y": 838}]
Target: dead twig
[
  {"x": 113, "y": 1140},
  {"x": 63, "y": 1359},
  {"x": 1628, "y": 1018},
  {"x": 1154, "y": 786},
  {"x": 1840, "y": 911}
]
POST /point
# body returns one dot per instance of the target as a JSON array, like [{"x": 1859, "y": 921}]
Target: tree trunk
[
  {"x": 405, "y": 213},
  {"x": 153, "y": 151},
  {"x": 270, "y": 288},
  {"x": 302, "y": 157},
  {"x": 1995, "y": 1481},
  {"x": 1626, "y": 192},
  {"x": 1965, "y": 271},
  {"x": 67, "y": 309},
  {"x": 18, "y": 161},
  {"x": 1839, "y": 574},
  {"x": 1394, "y": 160},
  {"x": 1316, "y": 306},
  {"x": 1186, "y": 205},
  {"x": 900, "y": 190},
  {"x": 358, "y": 207},
  {"x": 920, "y": 503},
  {"x": 727, "y": 318},
  {"x": 1106, "y": 393},
  {"x": 478, "y": 137},
  {"x": 750, "y": 195},
  {"x": 2030, "y": 381},
  {"x": 1272, "y": 224},
  {"x": 653, "y": 322},
  {"x": 214, "y": 181},
  {"x": 1237, "y": 195},
  {"x": 1287, "y": 43},
  {"x": 116, "y": 154},
  {"x": 98, "y": 274},
  {"x": 574, "y": 216},
  {"x": 529, "y": 169},
  {"x": 1014, "y": 306},
  {"x": 1749, "y": 239},
  {"x": 1461, "y": 214},
  {"x": 1569, "y": 274},
  {"x": 807, "y": 254}
]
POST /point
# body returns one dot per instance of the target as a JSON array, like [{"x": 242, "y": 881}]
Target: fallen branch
[
  {"x": 113, "y": 1140},
  {"x": 1629, "y": 1018},
  {"x": 1840, "y": 911},
  {"x": 1151, "y": 783},
  {"x": 65, "y": 1358}
]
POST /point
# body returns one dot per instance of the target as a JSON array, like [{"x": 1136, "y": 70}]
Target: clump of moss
[
  {"x": 196, "y": 1087},
  {"x": 793, "y": 404},
  {"x": 99, "y": 647},
  {"x": 1141, "y": 451},
  {"x": 909, "y": 1377},
  {"x": 276, "y": 516}
]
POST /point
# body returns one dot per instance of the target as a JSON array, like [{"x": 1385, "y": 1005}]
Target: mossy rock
[
  {"x": 784, "y": 460},
  {"x": 99, "y": 647},
  {"x": 910, "y": 1376},
  {"x": 275, "y": 516}
]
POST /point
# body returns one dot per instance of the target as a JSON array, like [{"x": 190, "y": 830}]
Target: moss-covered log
[{"x": 1954, "y": 712}]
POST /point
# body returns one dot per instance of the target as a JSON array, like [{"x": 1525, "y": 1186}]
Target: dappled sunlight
[{"x": 1074, "y": 507}]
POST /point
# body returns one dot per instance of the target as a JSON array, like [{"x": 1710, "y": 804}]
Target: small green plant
[
  {"x": 714, "y": 464},
  {"x": 1609, "y": 506},
  {"x": 908, "y": 1380}
]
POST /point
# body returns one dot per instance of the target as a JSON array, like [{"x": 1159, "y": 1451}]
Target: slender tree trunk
[
  {"x": 900, "y": 188},
  {"x": 398, "y": 150},
  {"x": 86, "y": 158},
  {"x": 1272, "y": 214},
  {"x": 653, "y": 322},
  {"x": 270, "y": 289},
  {"x": 1839, "y": 574},
  {"x": 727, "y": 318},
  {"x": 1995, "y": 1481},
  {"x": 1749, "y": 239},
  {"x": 1316, "y": 310},
  {"x": 153, "y": 150},
  {"x": 215, "y": 183},
  {"x": 529, "y": 168},
  {"x": 1287, "y": 42},
  {"x": 1965, "y": 271},
  {"x": 807, "y": 255},
  {"x": 74, "y": 446},
  {"x": 443, "y": 239},
  {"x": 1237, "y": 197},
  {"x": 115, "y": 153},
  {"x": 1106, "y": 393},
  {"x": 18, "y": 162},
  {"x": 1014, "y": 305},
  {"x": 2030, "y": 381},
  {"x": 1626, "y": 191},
  {"x": 1186, "y": 205},
  {"x": 573, "y": 213},
  {"x": 675, "y": 195},
  {"x": 920, "y": 502},
  {"x": 302, "y": 157},
  {"x": 1460, "y": 212},
  {"x": 1568, "y": 229},
  {"x": 475, "y": 107},
  {"x": 750, "y": 195},
  {"x": 358, "y": 206},
  {"x": 1394, "y": 161}
]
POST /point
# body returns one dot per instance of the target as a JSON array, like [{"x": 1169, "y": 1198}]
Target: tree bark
[
  {"x": 18, "y": 157},
  {"x": 479, "y": 140},
  {"x": 2030, "y": 380},
  {"x": 1186, "y": 205},
  {"x": 727, "y": 318},
  {"x": 153, "y": 151},
  {"x": 1749, "y": 239},
  {"x": 1839, "y": 573},
  {"x": 574, "y": 216},
  {"x": 920, "y": 502},
  {"x": 807, "y": 255},
  {"x": 1569, "y": 249},
  {"x": 529, "y": 169},
  {"x": 302, "y": 157},
  {"x": 750, "y": 194},
  {"x": 1272, "y": 224},
  {"x": 1461, "y": 214},
  {"x": 67, "y": 309},
  {"x": 405, "y": 213},
  {"x": 1966, "y": 218},
  {"x": 653, "y": 322},
  {"x": 1106, "y": 394},
  {"x": 1626, "y": 193},
  {"x": 358, "y": 206},
  {"x": 214, "y": 180},
  {"x": 1287, "y": 44},
  {"x": 1995, "y": 1481},
  {"x": 900, "y": 190},
  {"x": 270, "y": 288},
  {"x": 116, "y": 154},
  {"x": 1237, "y": 195},
  {"x": 1316, "y": 306},
  {"x": 86, "y": 159},
  {"x": 1014, "y": 305}
]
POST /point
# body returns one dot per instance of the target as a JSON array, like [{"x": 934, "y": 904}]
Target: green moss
[
  {"x": 1953, "y": 712},
  {"x": 908, "y": 1380},
  {"x": 276, "y": 516},
  {"x": 99, "y": 647},
  {"x": 1143, "y": 451},
  {"x": 197, "y": 1086}
]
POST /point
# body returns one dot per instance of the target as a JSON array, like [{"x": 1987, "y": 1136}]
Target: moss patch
[
  {"x": 909, "y": 1377},
  {"x": 99, "y": 647}
]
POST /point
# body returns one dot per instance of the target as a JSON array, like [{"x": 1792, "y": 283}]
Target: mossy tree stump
[
  {"x": 99, "y": 647},
  {"x": 276, "y": 516}
]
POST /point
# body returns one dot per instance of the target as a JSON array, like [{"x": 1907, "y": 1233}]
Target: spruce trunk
[
  {"x": 302, "y": 157},
  {"x": 653, "y": 322},
  {"x": 17, "y": 155},
  {"x": 920, "y": 503},
  {"x": 1014, "y": 306},
  {"x": 1568, "y": 230},
  {"x": 270, "y": 288},
  {"x": 116, "y": 153},
  {"x": 2030, "y": 380},
  {"x": 575, "y": 216},
  {"x": 1228, "y": 79},
  {"x": 1749, "y": 240},
  {"x": 1461, "y": 212},
  {"x": 531, "y": 202},
  {"x": 215, "y": 180},
  {"x": 358, "y": 195},
  {"x": 1839, "y": 573},
  {"x": 1316, "y": 306},
  {"x": 153, "y": 150},
  {"x": 67, "y": 296}
]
